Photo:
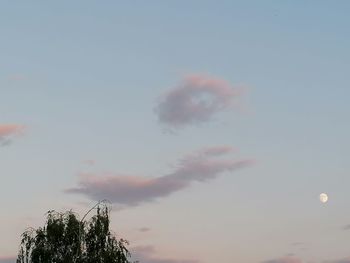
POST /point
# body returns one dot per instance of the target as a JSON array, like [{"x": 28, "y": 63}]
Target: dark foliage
[{"x": 66, "y": 239}]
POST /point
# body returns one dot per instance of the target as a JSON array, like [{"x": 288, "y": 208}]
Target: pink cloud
[
  {"x": 210, "y": 152},
  {"x": 197, "y": 99},
  {"x": 16, "y": 77},
  {"x": 9, "y": 131},
  {"x": 146, "y": 254},
  {"x": 218, "y": 150},
  {"x": 135, "y": 190}
]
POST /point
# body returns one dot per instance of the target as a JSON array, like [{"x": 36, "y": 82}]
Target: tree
[{"x": 66, "y": 239}]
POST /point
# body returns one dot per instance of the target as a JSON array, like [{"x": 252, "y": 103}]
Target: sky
[{"x": 212, "y": 127}]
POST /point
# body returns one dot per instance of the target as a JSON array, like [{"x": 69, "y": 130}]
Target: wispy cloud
[
  {"x": 89, "y": 162},
  {"x": 16, "y": 77},
  {"x": 293, "y": 259},
  {"x": 214, "y": 151},
  {"x": 8, "y": 132},
  {"x": 297, "y": 244},
  {"x": 201, "y": 166},
  {"x": 288, "y": 259},
  {"x": 144, "y": 229},
  {"x": 344, "y": 260},
  {"x": 7, "y": 259},
  {"x": 146, "y": 254},
  {"x": 346, "y": 227},
  {"x": 195, "y": 100}
]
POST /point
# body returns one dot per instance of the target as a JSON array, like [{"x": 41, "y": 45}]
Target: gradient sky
[{"x": 155, "y": 105}]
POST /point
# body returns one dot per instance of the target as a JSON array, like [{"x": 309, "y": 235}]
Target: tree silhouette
[{"x": 66, "y": 239}]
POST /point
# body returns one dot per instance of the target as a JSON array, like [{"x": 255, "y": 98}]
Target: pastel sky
[{"x": 211, "y": 126}]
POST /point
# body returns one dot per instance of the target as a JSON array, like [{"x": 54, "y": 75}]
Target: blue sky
[{"x": 84, "y": 80}]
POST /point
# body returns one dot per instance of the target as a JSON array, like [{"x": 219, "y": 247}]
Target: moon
[{"x": 323, "y": 198}]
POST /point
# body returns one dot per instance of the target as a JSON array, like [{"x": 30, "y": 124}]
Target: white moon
[{"x": 323, "y": 198}]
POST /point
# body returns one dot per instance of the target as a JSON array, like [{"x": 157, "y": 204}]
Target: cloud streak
[
  {"x": 292, "y": 259},
  {"x": 195, "y": 100},
  {"x": 8, "y": 132},
  {"x": 146, "y": 254},
  {"x": 346, "y": 227},
  {"x": 144, "y": 229},
  {"x": 89, "y": 162},
  {"x": 7, "y": 259},
  {"x": 287, "y": 259},
  {"x": 344, "y": 260},
  {"x": 201, "y": 166}
]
